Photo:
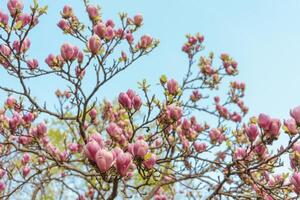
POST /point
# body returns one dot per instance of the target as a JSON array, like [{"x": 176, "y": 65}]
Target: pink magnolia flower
[
  {"x": 145, "y": 42},
  {"x": 274, "y": 128},
  {"x": 94, "y": 44},
  {"x": 2, "y": 186},
  {"x": 129, "y": 37},
  {"x": 63, "y": 155},
  {"x": 73, "y": 147},
  {"x": 216, "y": 136},
  {"x": 5, "y": 50},
  {"x": 137, "y": 102},
  {"x": 264, "y": 121},
  {"x": 80, "y": 57},
  {"x": 24, "y": 18},
  {"x": 110, "y": 23},
  {"x": 125, "y": 100},
  {"x": 24, "y": 140},
  {"x": 296, "y": 147},
  {"x": 93, "y": 12},
  {"x": 195, "y": 96},
  {"x": 123, "y": 163},
  {"x": 100, "y": 29},
  {"x": 97, "y": 137},
  {"x": 200, "y": 147},
  {"x": 172, "y": 86},
  {"x": 11, "y": 102},
  {"x": 291, "y": 125},
  {"x": 67, "y": 11},
  {"x": 295, "y": 181},
  {"x": 295, "y": 113},
  {"x": 32, "y": 64},
  {"x": 149, "y": 163},
  {"x": 252, "y": 132},
  {"x": 104, "y": 160},
  {"x": 69, "y": 52},
  {"x": 25, "y": 45},
  {"x": 138, "y": 20},
  {"x": 140, "y": 148},
  {"x": 25, "y": 159},
  {"x": 93, "y": 113},
  {"x": 63, "y": 25},
  {"x": 41, "y": 129},
  {"x": 236, "y": 117},
  {"x": 15, "y": 7},
  {"x": 174, "y": 112},
  {"x": 114, "y": 130},
  {"x": 116, "y": 151},
  {"x": 109, "y": 33},
  {"x": 91, "y": 148},
  {"x": 3, "y": 18},
  {"x": 240, "y": 153},
  {"x": 25, "y": 171}
]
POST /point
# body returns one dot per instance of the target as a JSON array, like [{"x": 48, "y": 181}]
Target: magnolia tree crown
[{"x": 187, "y": 140}]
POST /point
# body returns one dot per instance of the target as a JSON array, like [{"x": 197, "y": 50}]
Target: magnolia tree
[{"x": 186, "y": 141}]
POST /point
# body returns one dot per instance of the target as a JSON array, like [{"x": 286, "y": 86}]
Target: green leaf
[
  {"x": 36, "y": 4},
  {"x": 163, "y": 79}
]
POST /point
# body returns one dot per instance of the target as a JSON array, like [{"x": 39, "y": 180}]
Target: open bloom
[
  {"x": 69, "y": 52},
  {"x": 104, "y": 160}
]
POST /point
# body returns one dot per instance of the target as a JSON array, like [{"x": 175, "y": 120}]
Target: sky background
[{"x": 263, "y": 36}]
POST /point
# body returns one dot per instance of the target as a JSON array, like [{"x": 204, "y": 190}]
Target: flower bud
[
  {"x": 138, "y": 20},
  {"x": 25, "y": 171},
  {"x": 93, "y": 113},
  {"x": 125, "y": 101},
  {"x": 94, "y": 44},
  {"x": 291, "y": 126},
  {"x": 252, "y": 132},
  {"x": 172, "y": 87},
  {"x": 67, "y": 12},
  {"x": 295, "y": 113},
  {"x": 15, "y": 7}
]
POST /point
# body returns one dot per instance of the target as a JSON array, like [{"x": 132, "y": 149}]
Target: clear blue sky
[{"x": 263, "y": 36}]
